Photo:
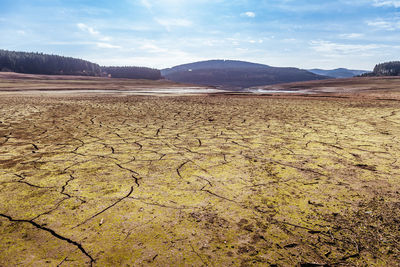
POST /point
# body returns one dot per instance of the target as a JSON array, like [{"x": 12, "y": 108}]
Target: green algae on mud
[{"x": 220, "y": 180}]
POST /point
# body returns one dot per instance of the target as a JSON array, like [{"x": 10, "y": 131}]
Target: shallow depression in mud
[{"x": 262, "y": 91}]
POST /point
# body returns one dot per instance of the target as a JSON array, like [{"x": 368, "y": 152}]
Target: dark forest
[{"x": 39, "y": 63}]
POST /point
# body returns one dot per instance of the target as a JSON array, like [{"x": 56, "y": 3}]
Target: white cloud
[
  {"x": 152, "y": 48},
  {"x": 79, "y": 43},
  {"x": 105, "y": 38},
  {"x": 383, "y": 24},
  {"x": 351, "y": 35},
  {"x": 380, "y": 3},
  {"x": 107, "y": 45},
  {"x": 97, "y": 35},
  {"x": 337, "y": 48},
  {"x": 168, "y": 23},
  {"x": 240, "y": 49},
  {"x": 146, "y": 3},
  {"x": 163, "y": 60},
  {"x": 248, "y": 14},
  {"x": 289, "y": 40},
  {"x": 72, "y": 43},
  {"x": 90, "y": 30},
  {"x": 157, "y": 4}
]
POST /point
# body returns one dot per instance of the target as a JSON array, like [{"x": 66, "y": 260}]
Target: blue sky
[{"x": 163, "y": 33}]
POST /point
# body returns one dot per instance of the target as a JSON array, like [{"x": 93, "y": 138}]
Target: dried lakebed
[{"x": 198, "y": 180}]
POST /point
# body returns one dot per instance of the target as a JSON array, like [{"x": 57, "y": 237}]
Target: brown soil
[{"x": 219, "y": 180}]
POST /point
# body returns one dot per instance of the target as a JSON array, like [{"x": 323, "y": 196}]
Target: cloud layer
[{"x": 163, "y": 33}]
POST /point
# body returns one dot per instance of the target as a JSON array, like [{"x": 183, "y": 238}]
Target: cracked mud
[{"x": 219, "y": 181}]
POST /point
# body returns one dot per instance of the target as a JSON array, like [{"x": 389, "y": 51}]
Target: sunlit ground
[{"x": 200, "y": 180}]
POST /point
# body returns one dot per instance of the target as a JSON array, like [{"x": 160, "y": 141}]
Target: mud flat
[
  {"x": 361, "y": 87},
  {"x": 219, "y": 180}
]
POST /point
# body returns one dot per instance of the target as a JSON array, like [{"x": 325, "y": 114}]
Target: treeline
[
  {"x": 39, "y": 63},
  {"x": 132, "y": 72},
  {"x": 385, "y": 69}
]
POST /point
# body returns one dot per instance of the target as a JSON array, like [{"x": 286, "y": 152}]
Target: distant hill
[
  {"x": 236, "y": 74},
  {"x": 39, "y": 63},
  {"x": 132, "y": 73},
  {"x": 338, "y": 73},
  {"x": 385, "y": 69},
  {"x": 213, "y": 64}
]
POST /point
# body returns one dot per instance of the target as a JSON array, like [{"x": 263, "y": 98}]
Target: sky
[{"x": 327, "y": 34}]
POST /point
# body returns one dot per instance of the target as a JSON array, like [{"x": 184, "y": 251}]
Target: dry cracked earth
[{"x": 199, "y": 181}]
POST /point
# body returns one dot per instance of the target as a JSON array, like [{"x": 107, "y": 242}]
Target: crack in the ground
[
  {"x": 198, "y": 255},
  {"x": 127, "y": 169},
  {"x": 179, "y": 167},
  {"x": 199, "y": 140},
  {"x": 51, "y": 210},
  {"x": 53, "y": 233},
  {"x": 105, "y": 209},
  {"x": 216, "y": 195},
  {"x": 66, "y": 184},
  {"x": 22, "y": 181}
]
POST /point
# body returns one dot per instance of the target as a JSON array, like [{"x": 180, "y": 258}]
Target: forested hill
[
  {"x": 236, "y": 74},
  {"x": 386, "y": 69},
  {"x": 132, "y": 72},
  {"x": 39, "y": 63},
  {"x": 213, "y": 64}
]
